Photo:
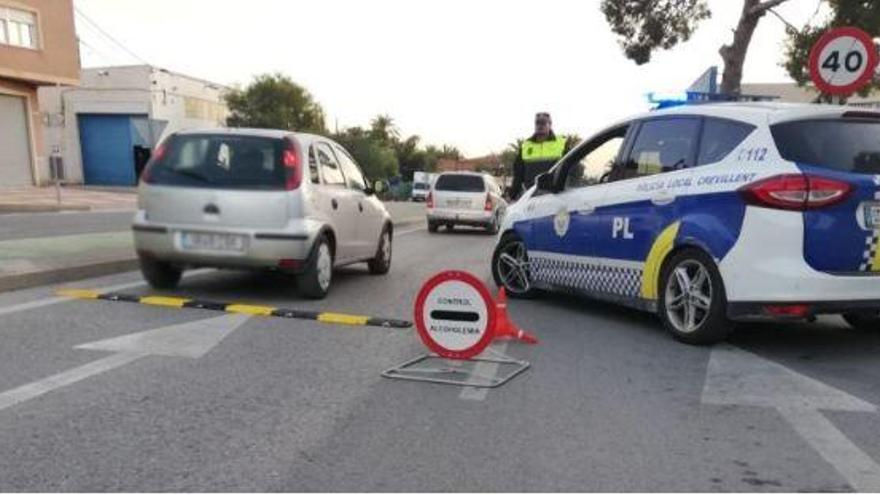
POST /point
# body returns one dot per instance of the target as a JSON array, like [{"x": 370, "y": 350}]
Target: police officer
[{"x": 537, "y": 154}]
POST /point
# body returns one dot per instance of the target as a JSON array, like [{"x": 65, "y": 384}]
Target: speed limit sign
[{"x": 843, "y": 60}]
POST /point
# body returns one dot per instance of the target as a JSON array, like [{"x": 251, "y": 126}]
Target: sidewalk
[
  {"x": 73, "y": 198},
  {"x": 46, "y": 260}
]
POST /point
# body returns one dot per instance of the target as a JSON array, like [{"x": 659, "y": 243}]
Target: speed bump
[{"x": 256, "y": 310}]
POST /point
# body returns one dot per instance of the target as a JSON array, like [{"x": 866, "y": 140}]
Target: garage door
[
  {"x": 15, "y": 148},
  {"x": 107, "y": 149}
]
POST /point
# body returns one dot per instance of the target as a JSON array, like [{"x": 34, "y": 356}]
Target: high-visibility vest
[{"x": 534, "y": 151}]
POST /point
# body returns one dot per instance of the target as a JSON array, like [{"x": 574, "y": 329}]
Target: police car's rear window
[
  {"x": 460, "y": 183},
  {"x": 850, "y": 145},
  {"x": 220, "y": 161}
]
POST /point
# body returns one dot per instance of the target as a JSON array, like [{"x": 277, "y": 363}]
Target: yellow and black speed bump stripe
[{"x": 179, "y": 302}]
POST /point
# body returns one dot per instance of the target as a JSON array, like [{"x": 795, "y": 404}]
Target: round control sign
[
  {"x": 454, "y": 315},
  {"x": 843, "y": 61}
]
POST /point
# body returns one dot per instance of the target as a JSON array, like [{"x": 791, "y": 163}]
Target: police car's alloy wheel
[
  {"x": 314, "y": 283},
  {"x": 510, "y": 267},
  {"x": 693, "y": 304}
]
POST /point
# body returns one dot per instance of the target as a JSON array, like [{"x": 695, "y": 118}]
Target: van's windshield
[
  {"x": 849, "y": 145},
  {"x": 460, "y": 183},
  {"x": 220, "y": 161}
]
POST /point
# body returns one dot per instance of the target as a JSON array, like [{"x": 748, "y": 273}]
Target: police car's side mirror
[{"x": 545, "y": 182}]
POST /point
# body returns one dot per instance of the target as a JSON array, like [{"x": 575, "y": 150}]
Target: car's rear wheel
[
  {"x": 432, "y": 227},
  {"x": 493, "y": 227},
  {"x": 692, "y": 303},
  {"x": 450, "y": 227},
  {"x": 159, "y": 274},
  {"x": 314, "y": 282},
  {"x": 381, "y": 263},
  {"x": 864, "y": 320},
  {"x": 510, "y": 267}
]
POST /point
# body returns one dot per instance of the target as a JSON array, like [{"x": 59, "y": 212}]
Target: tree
[
  {"x": 644, "y": 26},
  {"x": 382, "y": 129},
  {"x": 858, "y": 13},
  {"x": 377, "y": 160},
  {"x": 274, "y": 101},
  {"x": 450, "y": 152}
]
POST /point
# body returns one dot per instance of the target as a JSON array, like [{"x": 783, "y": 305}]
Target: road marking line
[
  {"x": 407, "y": 232},
  {"x": 485, "y": 369},
  {"x": 69, "y": 377},
  {"x": 862, "y": 473}
]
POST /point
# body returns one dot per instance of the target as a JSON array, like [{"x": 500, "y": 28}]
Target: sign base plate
[{"x": 435, "y": 369}]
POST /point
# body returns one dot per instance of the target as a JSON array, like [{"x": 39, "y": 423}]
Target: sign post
[
  {"x": 456, "y": 320},
  {"x": 843, "y": 61}
]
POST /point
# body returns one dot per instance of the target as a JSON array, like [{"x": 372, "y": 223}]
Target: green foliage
[
  {"x": 857, "y": 13},
  {"x": 644, "y": 26},
  {"x": 274, "y": 101},
  {"x": 376, "y": 159}
]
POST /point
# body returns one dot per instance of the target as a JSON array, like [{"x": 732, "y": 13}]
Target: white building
[{"x": 105, "y": 128}]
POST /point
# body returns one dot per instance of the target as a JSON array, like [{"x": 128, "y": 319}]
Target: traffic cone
[{"x": 504, "y": 328}]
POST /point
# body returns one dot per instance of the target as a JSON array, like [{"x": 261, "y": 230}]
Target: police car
[{"x": 708, "y": 214}]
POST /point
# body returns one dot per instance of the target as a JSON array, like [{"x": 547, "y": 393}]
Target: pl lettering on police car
[
  {"x": 620, "y": 228},
  {"x": 561, "y": 221}
]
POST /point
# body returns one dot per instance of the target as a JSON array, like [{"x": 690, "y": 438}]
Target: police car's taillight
[
  {"x": 292, "y": 168},
  {"x": 795, "y": 192},
  {"x": 430, "y": 201}
]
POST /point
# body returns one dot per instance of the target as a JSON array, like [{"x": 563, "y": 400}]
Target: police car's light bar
[{"x": 679, "y": 98}]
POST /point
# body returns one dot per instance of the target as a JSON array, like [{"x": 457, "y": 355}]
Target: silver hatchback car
[{"x": 257, "y": 199}]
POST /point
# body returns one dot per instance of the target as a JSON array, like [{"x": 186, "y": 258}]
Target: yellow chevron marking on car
[
  {"x": 343, "y": 319},
  {"x": 250, "y": 309},
  {"x": 875, "y": 261},
  {"x": 171, "y": 302},
  {"x": 661, "y": 248},
  {"x": 79, "y": 293}
]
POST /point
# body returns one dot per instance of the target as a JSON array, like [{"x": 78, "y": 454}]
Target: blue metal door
[{"x": 107, "y": 149}]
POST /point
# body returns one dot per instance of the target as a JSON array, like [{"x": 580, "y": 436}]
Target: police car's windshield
[
  {"x": 460, "y": 183},
  {"x": 847, "y": 145}
]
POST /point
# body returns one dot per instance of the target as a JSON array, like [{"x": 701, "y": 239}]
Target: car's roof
[
  {"x": 247, "y": 131},
  {"x": 462, "y": 172},
  {"x": 755, "y": 112}
]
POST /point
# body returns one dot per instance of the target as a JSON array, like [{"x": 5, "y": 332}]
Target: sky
[{"x": 467, "y": 73}]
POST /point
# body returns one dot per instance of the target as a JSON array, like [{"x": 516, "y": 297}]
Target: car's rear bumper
[
  {"x": 461, "y": 217},
  {"x": 263, "y": 249}
]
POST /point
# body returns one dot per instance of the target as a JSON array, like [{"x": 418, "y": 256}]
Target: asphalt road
[{"x": 611, "y": 403}]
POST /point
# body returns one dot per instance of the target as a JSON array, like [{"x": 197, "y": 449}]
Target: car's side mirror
[
  {"x": 545, "y": 182},
  {"x": 378, "y": 186}
]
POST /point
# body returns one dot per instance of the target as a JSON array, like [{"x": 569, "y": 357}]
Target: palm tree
[{"x": 382, "y": 129}]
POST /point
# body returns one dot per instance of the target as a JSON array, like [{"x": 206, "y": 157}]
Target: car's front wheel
[
  {"x": 314, "y": 282},
  {"x": 510, "y": 267},
  {"x": 864, "y": 320},
  {"x": 381, "y": 263},
  {"x": 692, "y": 303},
  {"x": 158, "y": 274}
]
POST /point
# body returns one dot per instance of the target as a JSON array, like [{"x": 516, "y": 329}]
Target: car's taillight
[
  {"x": 488, "y": 205},
  {"x": 157, "y": 155},
  {"x": 292, "y": 168},
  {"x": 430, "y": 201},
  {"x": 795, "y": 192}
]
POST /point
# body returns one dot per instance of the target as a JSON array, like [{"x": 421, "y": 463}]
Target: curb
[
  {"x": 67, "y": 274},
  {"x": 14, "y": 208}
]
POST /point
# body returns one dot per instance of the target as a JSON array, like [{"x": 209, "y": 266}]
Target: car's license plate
[
  {"x": 210, "y": 241},
  {"x": 458, "y": 203},
  {"x": 872, "y": 215}
]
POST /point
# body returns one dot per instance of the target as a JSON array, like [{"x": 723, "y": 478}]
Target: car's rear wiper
[{"x": 191, "y": 174}]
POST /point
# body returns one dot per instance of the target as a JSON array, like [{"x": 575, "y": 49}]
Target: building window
[{"x": 18, "y": 27}]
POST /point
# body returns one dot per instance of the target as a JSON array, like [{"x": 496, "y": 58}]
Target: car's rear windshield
[
  {"x": 460, "y": 183},
  {"x": 220, "y": 161},
  {"x": 419, "y": 185},
  {"x": 850, "y": 145}
]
